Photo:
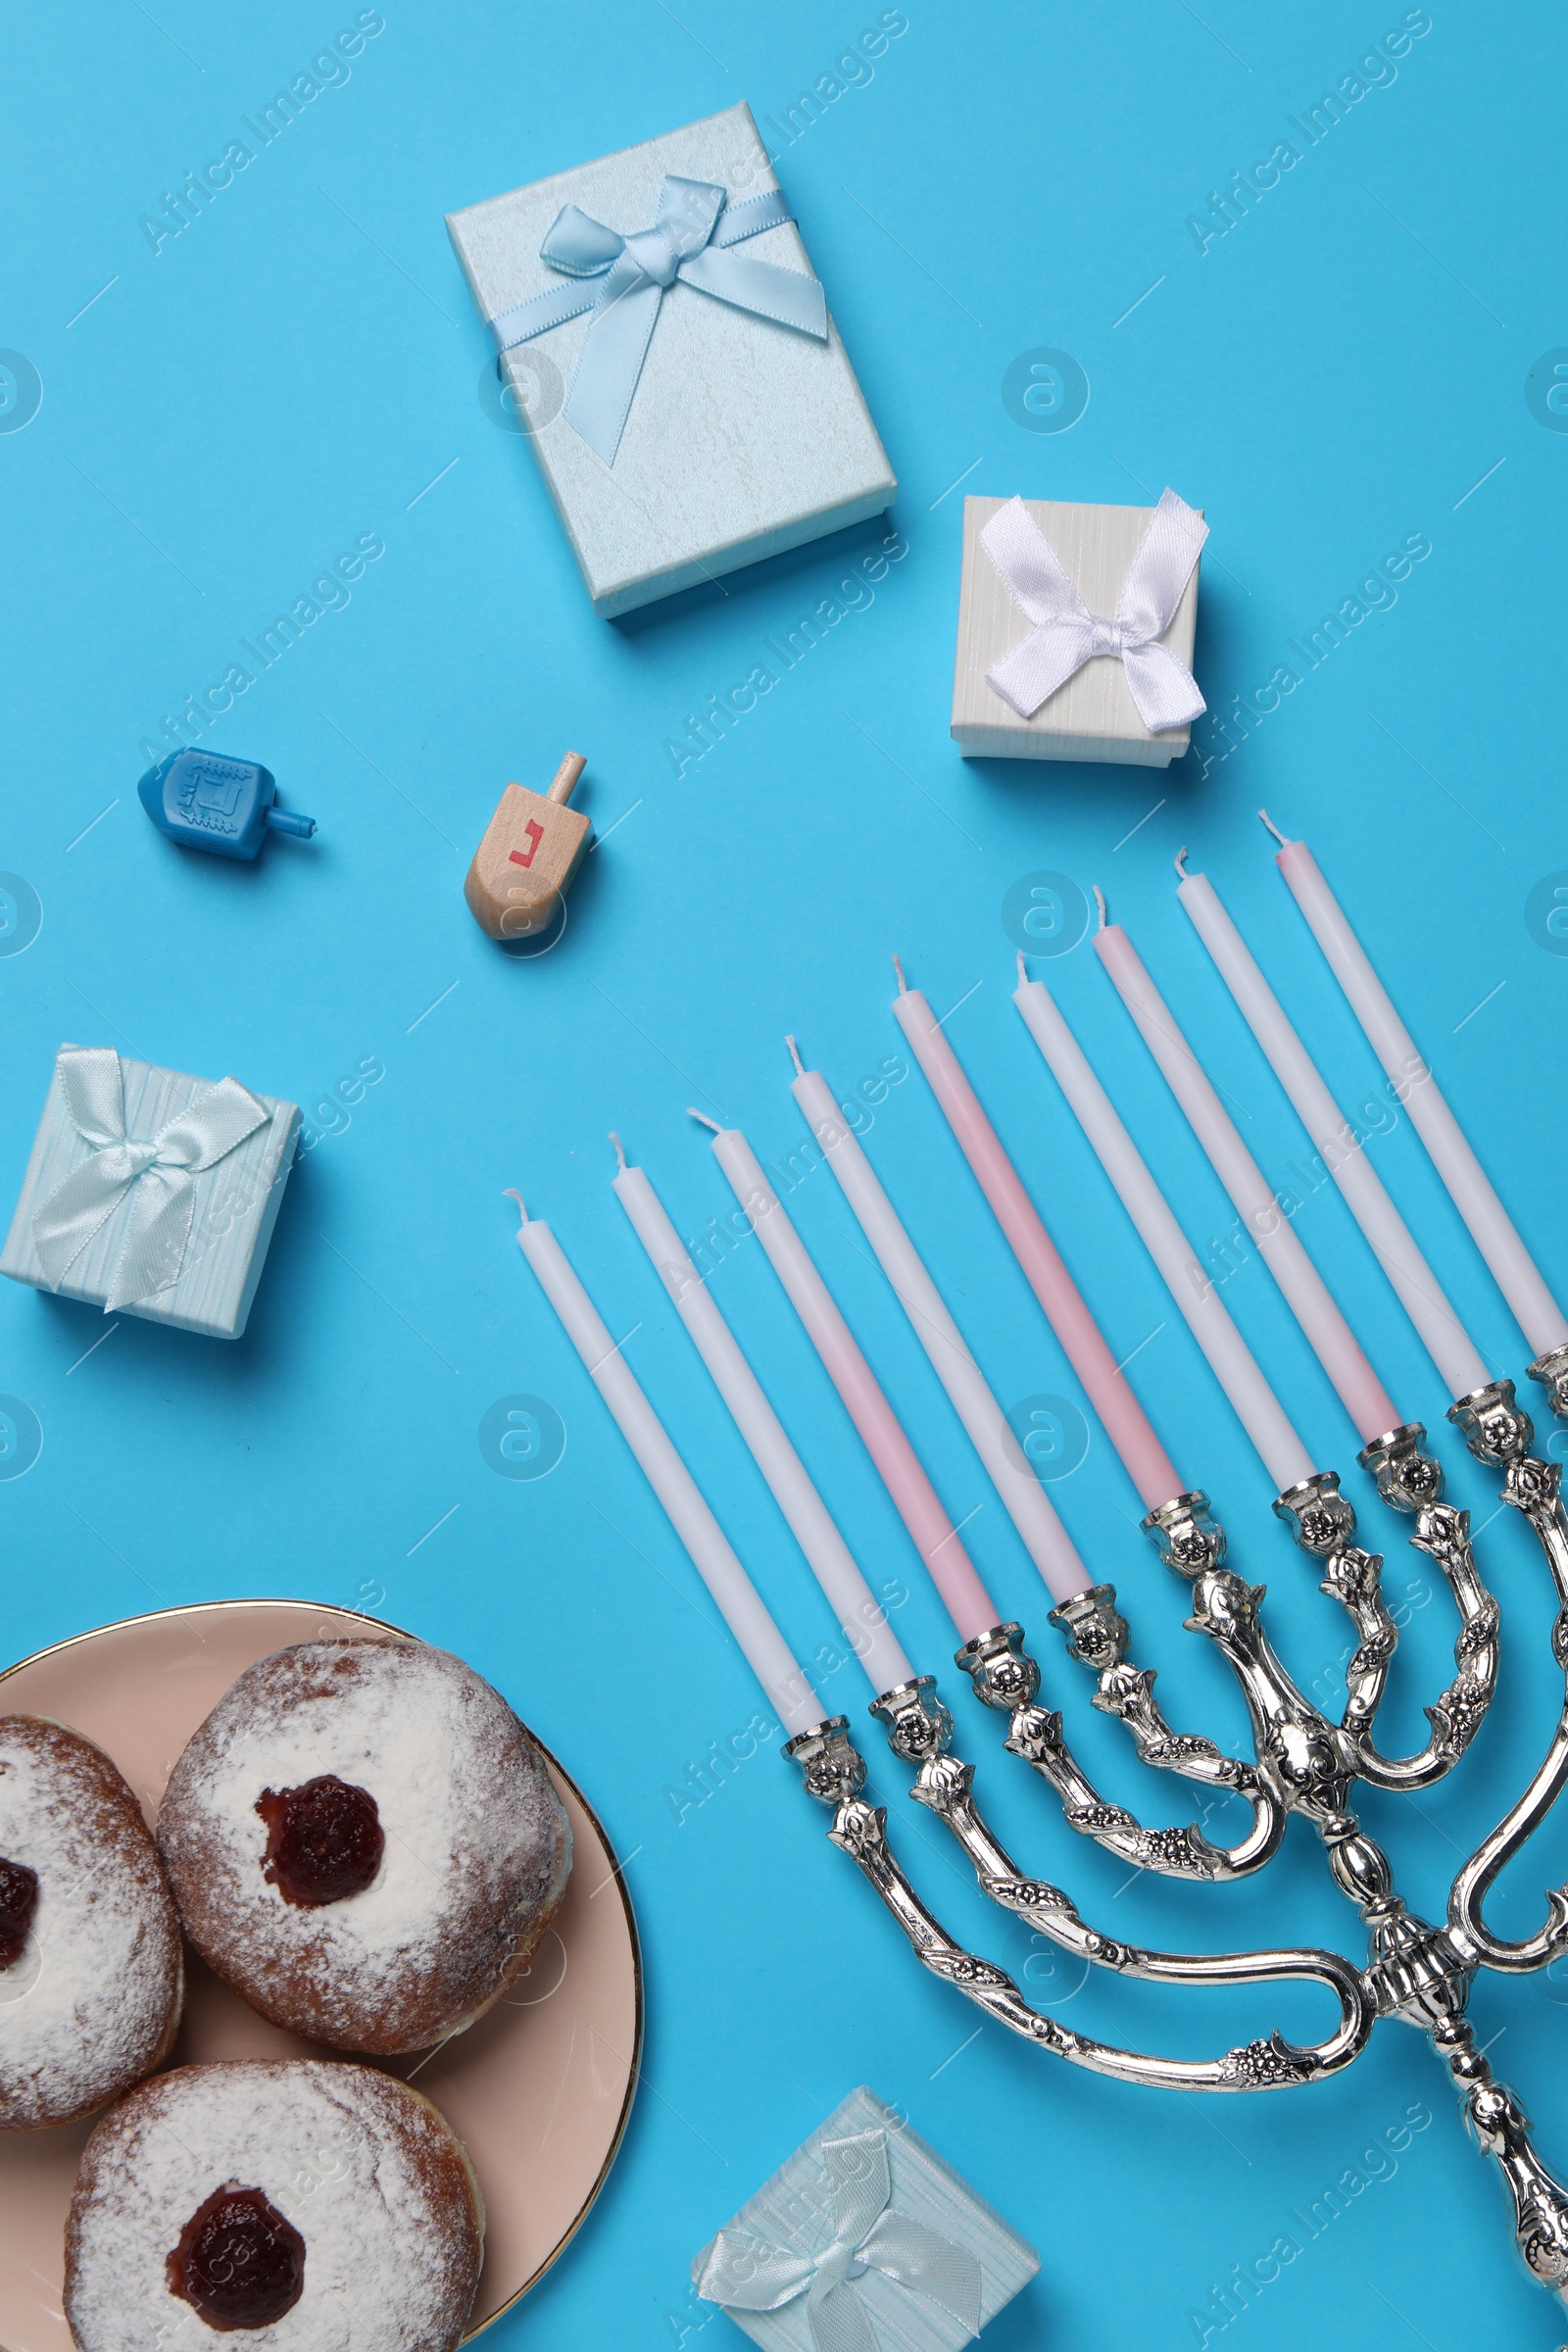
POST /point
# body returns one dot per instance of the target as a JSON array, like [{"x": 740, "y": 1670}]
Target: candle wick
[
  {"x": 703, "y": 1119},
  {"x": 1282, "y": 838},
  {"x": 522, "y": 1207},
  {"x": 795, "y": 1056},
  {"x": 1023, "y": 969},
  {"x": 904, "y": 985},
  {"x": 1100, "y": 902},
  {"x": 621, "y": 1156},
  {"x": 1181, "y": 862}
]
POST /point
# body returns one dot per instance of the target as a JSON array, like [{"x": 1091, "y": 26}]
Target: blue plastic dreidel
[{"x": 226, "y": 807}]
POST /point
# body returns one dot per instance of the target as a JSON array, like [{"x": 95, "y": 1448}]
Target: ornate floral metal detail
[
  {"x": 1496, "y": 1428},
  {"x": 944, "y": 1783},
  {"x": 1551, "y": 1370},
  {"x": 1265, "y": 2065},
  {"x": 1181, "y": 1851},
  {"x": 834, "y": 1769},
  {"x": 1004, "y": 1675},
  {"x": 1410, "y": 1478},
  {"x": 1096, "y": 1818},
  {"x": 1028, "y": 1895},
  {"x": 1559, "y": 1640},
  {"x": 1320, "y": 1519},
  {"x": 1094, "y": 1630},
  {"x": 1036, "y": 1735},
  {"x": 1531, "y": 1485},
  {"x": 1184, "y": 1534},
  {"x": 918, "y": 1725},
  {"x": 964, "y": 1968}
]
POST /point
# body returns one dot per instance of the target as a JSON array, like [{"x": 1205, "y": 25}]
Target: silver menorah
[{"x": 1302, "y": 1763}]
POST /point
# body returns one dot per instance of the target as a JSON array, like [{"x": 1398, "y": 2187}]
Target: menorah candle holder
[{"x": 1302, "y": 1762}]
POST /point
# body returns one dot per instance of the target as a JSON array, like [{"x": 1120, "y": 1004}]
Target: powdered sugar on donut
[
  {"x": 477, "y": 1854},
  {"x": 365, "y": 2171},
  {"x": 91, "y": 2004}
]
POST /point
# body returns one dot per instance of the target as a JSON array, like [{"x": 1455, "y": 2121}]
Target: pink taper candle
[
  {"x": 1492, "y": 1229},
  {"x": 1023, "y": 1497},
  {"x": 1125, "y": 1423},
  {"x": 1360, "y": 1390},
  {"x": 953, "y": 1572}
]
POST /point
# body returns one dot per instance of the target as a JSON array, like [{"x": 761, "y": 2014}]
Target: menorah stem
[
  {"x": 1502, "y": 2130},
  {"x": 1422, "y": 1975}
]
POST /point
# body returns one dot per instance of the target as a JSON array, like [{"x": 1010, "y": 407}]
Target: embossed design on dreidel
[{"x": 532, "y": 846}]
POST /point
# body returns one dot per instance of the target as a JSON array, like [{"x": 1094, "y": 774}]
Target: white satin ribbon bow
[
  {"x": 1066, "y": 634},
  {"x": 157, "y": 1174}
]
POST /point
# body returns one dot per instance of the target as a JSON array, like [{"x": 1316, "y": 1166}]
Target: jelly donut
[
  {"x": 364, "y": 1843},
  {"x": 314, "y": 2206},
  {"x": 91, "y": 1966}
]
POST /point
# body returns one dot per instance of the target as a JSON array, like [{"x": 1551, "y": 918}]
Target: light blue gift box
[
  {"x": 149, "y": 1192},
  {"x": 687, "y": 397},
  {"x": 864, "y": 2240}
]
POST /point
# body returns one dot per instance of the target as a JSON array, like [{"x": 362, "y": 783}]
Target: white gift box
[
  {"x": 1094, "y": 715},
  {"x": 744, "y": 436},
  {"x": 866, "y": 2208},
  {"x": 234, "y": 1200}
]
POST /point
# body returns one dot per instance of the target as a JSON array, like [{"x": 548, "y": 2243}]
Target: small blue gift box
[
  {"x": 151, "y": 1194},
  {"x": 864, "y": 2240}
]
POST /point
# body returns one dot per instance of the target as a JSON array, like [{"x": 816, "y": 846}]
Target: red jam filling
[
  {"x": 18, "y": 1901},
  {"x": 324, "y": 1839},
  {"x": 238, "y": 2263}
]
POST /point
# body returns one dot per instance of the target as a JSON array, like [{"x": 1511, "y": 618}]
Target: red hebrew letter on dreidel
[
  {"x": 538, "y": 833},
  {"x": 535, "y": 833}
]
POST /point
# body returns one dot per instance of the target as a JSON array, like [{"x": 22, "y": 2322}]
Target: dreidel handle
[{"x": 563, "y": 782}]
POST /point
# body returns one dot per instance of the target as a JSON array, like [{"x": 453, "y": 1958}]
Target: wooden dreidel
[{"x": 532, "y": 846}]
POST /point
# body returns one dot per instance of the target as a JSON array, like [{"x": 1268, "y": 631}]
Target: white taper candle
[
  {"x": 766, "y": 1652},
  {"x": 861, "y": 1615},
  {"x": 1492, "y": 1229},
  {"x": 1207, "y": 1317},
  {"x": 1460, "y": 1363},
  {"x": 1367, "y": 1401}
]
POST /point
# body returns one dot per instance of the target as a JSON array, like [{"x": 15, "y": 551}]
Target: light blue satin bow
[
  {"x": 157, "y": 1175},
  {"x": 748, "y": 2273},
  {"x": 694, "y": 227}
]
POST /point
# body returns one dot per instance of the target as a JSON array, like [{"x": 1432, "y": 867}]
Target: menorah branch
[
  {"x": 1500, "y": 1433},
  {"x": 835, "y": 1774},
  {"x": 1323, "y": 1524},
  {"x": 1005, "y": 1678}
]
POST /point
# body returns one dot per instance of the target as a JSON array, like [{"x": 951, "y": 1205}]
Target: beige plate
[{"x": 539, "y": 2090}]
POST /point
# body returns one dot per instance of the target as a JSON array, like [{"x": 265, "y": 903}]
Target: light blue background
[{"x": 300, "y": 366}]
